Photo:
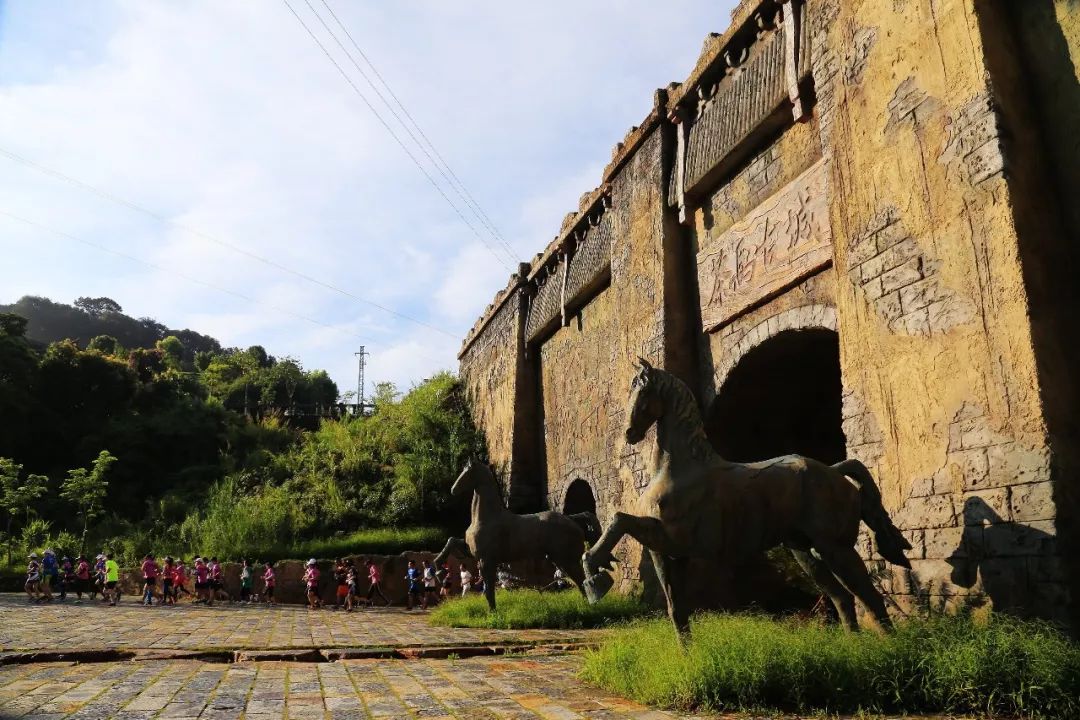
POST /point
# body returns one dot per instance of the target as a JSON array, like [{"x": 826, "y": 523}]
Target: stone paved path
[
  {"x": 68, "y": 626},
  {"x": 510, "y": 686},
  {"x": 543, "y": 687}
]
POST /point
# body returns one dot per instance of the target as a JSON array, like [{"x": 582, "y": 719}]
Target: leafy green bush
[
  {"x": 944, "y": 664},
  {"x": 373, "y": 541},
  {"x": 519, "y": 609}
]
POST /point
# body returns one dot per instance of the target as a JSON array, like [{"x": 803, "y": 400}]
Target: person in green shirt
[{"x": 112, "y": 578}]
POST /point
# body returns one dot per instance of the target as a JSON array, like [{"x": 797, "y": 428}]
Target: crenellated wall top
[
  {"x": 724, "y": 51},
  {"x": 720, "y": 53}
]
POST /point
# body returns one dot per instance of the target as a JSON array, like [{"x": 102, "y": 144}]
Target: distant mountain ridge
[{"x": 87, "y": 318}]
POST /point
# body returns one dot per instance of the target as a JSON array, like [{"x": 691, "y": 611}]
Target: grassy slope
[
  {"x": 945, "y": 664},
  {"x": 519, "y": 609}
]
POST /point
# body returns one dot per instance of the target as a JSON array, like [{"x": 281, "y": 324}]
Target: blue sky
[{"x": 226, "y": 121}]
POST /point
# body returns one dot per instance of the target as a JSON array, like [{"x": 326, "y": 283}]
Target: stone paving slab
[
  {"x": 68, "y": 626},
  {"x": 543, "y": 687}
]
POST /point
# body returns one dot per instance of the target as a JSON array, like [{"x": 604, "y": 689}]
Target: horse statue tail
[
  {"x": 891, "y": 543},
  {"x": 589, "y": 524}
]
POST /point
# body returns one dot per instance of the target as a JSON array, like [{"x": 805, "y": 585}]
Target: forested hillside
[
  {"x": 87, "y": 318},
  {"x": 227, "y": 450}
]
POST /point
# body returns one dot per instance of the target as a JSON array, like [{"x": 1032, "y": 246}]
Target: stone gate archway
[
  {"x": 579, "y": 498},
  {"x": 782, "y": 395}
]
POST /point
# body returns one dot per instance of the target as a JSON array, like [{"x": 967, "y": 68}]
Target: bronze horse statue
[
  {"x": 700, "y": 505},
  {"x": 496, "y": 535}
]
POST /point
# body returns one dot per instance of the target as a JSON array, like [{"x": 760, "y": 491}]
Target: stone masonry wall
[
  {"x": 939, "y": 371},
  {"x": 910, "y": 230},
  {"x": 489, "y": 373},
  {"x": 587, "y": 366}
]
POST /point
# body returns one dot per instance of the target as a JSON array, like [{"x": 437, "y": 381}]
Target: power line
[
  {"x": 439, "y": 163},
  {"x": 185, "y": 276},
  {"x": 395, "y": 136},
  {"x": 209, "y": 238}
]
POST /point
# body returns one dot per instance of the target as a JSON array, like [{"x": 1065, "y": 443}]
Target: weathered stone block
[
  {"x": 923, "y": 486},
  {"x": 945, "y": 542},
  {"x": 872, "y": 288},
  {"x": 916, "y": 322},
  {"x": 859, "y": 253},
  {"x": 917, "y": 540},
  {"x": 930, "y": 574},
  {"x": 1009, "y": 464},
  {"x": 919, "y": 294},
  {"x": 1033, "y": 502},
  {"x": 987, "y": 507},
  {"x": 888, "y": 306},
  {"x": 974, "y": 467}
]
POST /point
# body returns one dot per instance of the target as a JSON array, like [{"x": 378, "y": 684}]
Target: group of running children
[{"x": 426, "y": 584}]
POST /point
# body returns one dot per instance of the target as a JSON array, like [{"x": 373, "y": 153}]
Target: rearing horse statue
[
  {"x": 700, "y": 505},
  {"x": 496, "y": 535}
]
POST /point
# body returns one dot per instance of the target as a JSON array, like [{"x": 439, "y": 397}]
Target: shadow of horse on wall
[{"x": 992, "y": 558}]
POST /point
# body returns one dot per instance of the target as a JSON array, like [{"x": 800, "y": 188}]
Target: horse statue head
[
  {"x": 646, "y": 406},
  {"x": 466, "y": 480},
  {"x": 476, "y": 474}
]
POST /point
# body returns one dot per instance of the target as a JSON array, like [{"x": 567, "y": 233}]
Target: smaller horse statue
[
  {"x": 698, "y": 504},
  {"x": 496, "y": 535}
]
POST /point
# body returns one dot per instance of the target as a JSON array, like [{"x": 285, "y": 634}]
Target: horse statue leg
[
  {"x": 456, "y": 547},
  {"x": 673, "y": 575},
  {"x": 598, "y": 561},
  {"x": 488, "y": 573}
]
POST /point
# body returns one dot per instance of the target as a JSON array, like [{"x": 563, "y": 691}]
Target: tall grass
[
  {"x": 520, "y": 609},
  {"x": 940, "y": 665}
]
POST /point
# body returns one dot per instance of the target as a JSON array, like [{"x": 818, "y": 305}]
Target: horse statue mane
[{"x": 683, "y": 407}]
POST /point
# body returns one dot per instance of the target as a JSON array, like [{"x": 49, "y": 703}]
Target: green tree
[
  {"x": 15, "y": 497},
  {"x": 86, "y": 488},
  {"x": 172, "y": 351},
  {"x": 104, "y": 344},
  {"x": 98, "y": 306}
]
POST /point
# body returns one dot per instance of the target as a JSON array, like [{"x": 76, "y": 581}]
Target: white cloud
[{"x": 226, "y": 118}]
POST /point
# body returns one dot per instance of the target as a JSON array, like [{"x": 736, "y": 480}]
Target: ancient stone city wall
[{"x": 869, "y": 172}]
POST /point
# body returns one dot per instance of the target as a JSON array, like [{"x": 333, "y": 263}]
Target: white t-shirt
[{"x": 466, "y": 578}]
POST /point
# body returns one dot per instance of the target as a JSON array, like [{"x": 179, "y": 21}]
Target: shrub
[
  {"x": 372, "y": 541},
  {"x": 946, "y": 664},
  {"x": 518, "y": 609}
]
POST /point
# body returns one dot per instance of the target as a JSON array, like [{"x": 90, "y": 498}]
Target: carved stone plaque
[{"x": 780, "y": 242}]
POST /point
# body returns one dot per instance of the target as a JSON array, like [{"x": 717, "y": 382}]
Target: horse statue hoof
[{"x": 597, "y": 586}]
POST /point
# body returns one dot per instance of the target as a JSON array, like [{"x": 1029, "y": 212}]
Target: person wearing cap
[
  {"x": 311, "y": 581},
  {"x": 33, "y": 578}
]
